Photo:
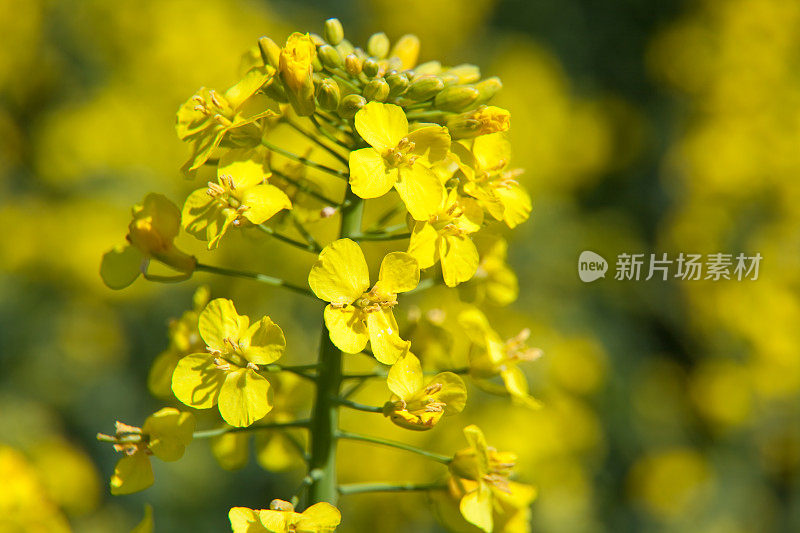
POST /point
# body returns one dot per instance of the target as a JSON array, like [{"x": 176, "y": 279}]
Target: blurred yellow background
[{"x": 670, "y": 406}]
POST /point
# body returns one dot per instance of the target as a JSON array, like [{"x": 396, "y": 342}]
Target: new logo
[{"x": 591, "y": 266}]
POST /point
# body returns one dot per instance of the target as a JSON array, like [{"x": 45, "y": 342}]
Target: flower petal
[
  {"x": 267, "y": 342},
  {"x": 196, "y": 381},
  {"x": 517, "y": 386},
  {"x": 387, "y": 346},
  {"x": 453, "y": 392},
  {"x": 369, "y": 175},
  {"x": 206, "y": 218},
  {"x": 492, "y": 152},
  {"x": 517, "y": 203},
  {"x": 346, "y": 328},
  {"x": 431, "y": 141},
  {"x": 244, "y": 397},
  {"x": 121, "y": 266},
  {"x": 170, "y": 432},
  {"x": 320, "y": 517},
  {"x": 263, "y": 202},
  {"x": 459, "y": 259},
  {"x": 421, "y": 191},
  {"x": 132, "y": 474},
  {"x": 405, "y": 377},
  {"x": 220, "y": 321},
  {"x": 340, "y": 275},
  {"x": 244, "y": 167},
  {"x": 399, "y": 272},
  {"x": 424, "y": 244},
  {"x": 381, "y": 125},
  {"x": 476, "y": 508}
]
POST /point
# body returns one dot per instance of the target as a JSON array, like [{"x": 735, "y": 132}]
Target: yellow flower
[
  {"x": 282, "y": 518},
  {"x": 397, "y": 159},
  {"x": 494, "y": 281},
  {"x": 490, "y": 356},
  {"x": 275, "y": 450},
  {"x": 296, "y": 70},
  {"x": 228, "y": 373},
  {"x": 416, "y": 405},
  {"x": 354, "y": 316},
  {"x": 156, "y": 222},
  {"x": 445, "y": 237},
  {"x": 208, "y": 116},
  {"x": 481, "y": 121},
  {"x": 480, "y": 481},
  {"x": 495, "y": 188},
  {"x": 241, "y": 194},
  {"x": 165, "y": 434},
  {"x": 146, "y": 525},
  {"x": 184, "y": 338}
]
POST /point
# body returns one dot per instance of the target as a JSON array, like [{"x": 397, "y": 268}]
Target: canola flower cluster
[{"x": 421, "y": 139}]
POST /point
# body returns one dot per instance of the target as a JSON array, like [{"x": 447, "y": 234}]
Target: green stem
[
  {"x": 381, "y": 236},
  {"x": 208, "y": 433},
  {"x": 305, "y": 188},
  {"x": 387, "y": 229},
  {"x": 425, "y": 283},
  {"x": 339, "y": 157},
  {"x": 394, "y": 444},
  {"x": 359, "y": 488},
  {"x": 359, "y": 406},
  {"x": 304, "y": 232},
  {"x": 305, "y": 161},
  {"x": 263, "y": 278},
  {"x": 328, "y": 134},
  {"x": 325, "y": 416},
  {"x": 308, "y": 247}
]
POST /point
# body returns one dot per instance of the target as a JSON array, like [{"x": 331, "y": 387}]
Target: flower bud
[
  {"x": 407, "y": 50},
  {"x": 465, "y": 73},
  {"x": 430, "y": 68},
  {"x": 371, "y": 67},
  {"x": 276, "y": 91},
  {"x": 330, "y": 57},
  {"x": 270, "y": 51},
  {"x": 296, "y": 70},
  {"x": 481, "y": 121},
  {"x": 350, "y": 105},
  {"x": 352, "y": 64},
  {"x": 377, "y": 90},
  {"x": 333, "y": 31},
  {"x": 424, "y": 88},
  {"x": 378, "y": 45},
  {"x": 398, "y": 83},
  {"x": 456, "y": 98},
  {"x": 345, "y": 48},
  {"x": 488, "y": 88},
  {"x": 328, "y": 94}
]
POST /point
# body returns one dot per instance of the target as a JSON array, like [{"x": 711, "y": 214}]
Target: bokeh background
[{"x": 643, "y": 127}]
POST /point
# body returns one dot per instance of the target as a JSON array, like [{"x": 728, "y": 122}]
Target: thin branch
[
  {"x": 394, "y": 444},
  {"x": 304, "y": 232},
  {"x": 381, "y": 236},
  {"x": 308, "y": 247},
  {"x": 360, "y": 488},
  {"x": 358, "y": 406},
  {"x": 208, "y": 433},
  {"x": 306, "y": 161},
  {"x": 305, "y": 188},
  {"x": 339, "y": 157},
  {"x": 328, "y": 134},
  {"x": 263, "y": 278}
]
